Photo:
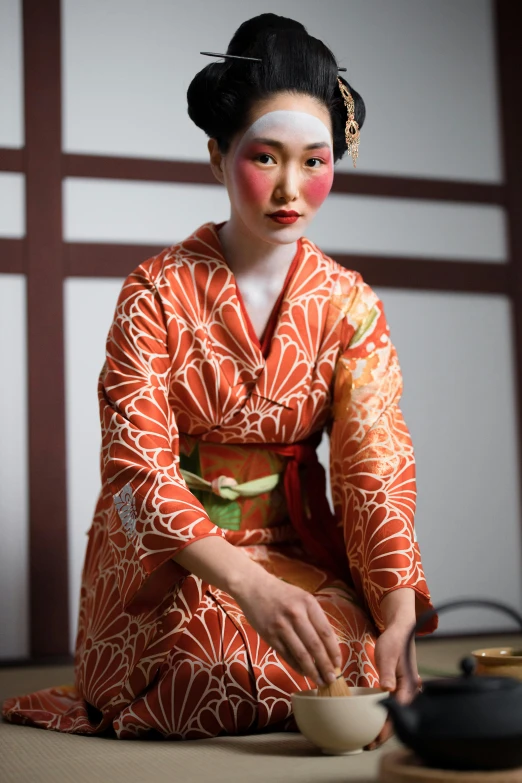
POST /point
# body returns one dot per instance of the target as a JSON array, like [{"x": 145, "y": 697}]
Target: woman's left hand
[{"x": 393, "y": 673}]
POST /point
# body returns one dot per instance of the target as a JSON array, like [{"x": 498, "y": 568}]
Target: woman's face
[{"x": 283, "y": 161}]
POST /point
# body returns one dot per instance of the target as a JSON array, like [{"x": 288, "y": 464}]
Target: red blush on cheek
[
  {"x": 252, "y": 184},
  {"x": 318, "y": 187}
]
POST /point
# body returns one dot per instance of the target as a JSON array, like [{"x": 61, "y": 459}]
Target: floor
[{"x": 36, "y": 756}]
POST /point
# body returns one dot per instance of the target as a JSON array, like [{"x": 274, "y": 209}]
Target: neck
[{"x": 247, "y": 254}]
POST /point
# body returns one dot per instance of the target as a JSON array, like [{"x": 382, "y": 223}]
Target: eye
[
  {"x": 321, "y": 162},
  {"x": 264, "y": 155}
]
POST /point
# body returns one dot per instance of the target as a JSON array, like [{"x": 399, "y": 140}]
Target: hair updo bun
[{"x": 221, "y": 95}]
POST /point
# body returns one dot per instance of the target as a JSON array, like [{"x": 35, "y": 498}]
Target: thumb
[{"x": 386, "y": 664}]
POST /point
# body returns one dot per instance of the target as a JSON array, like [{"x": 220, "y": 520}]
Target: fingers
[
  {"x": 406, "y": 689},
  {"x": 302, "y": 657},
  {"x": 295, "y": 625},
  {"x": 386, "y": 662},
  {"x": 320, "y": 640},
  {"x": 404, "y": 692},
  {"x": 391, "y": 663},
  {"x": 310, "y": 641},
  {"x": 325, "y": 632},
  {"x": 384, "y": 736},
  {"x": 315, "y": 651},
  {"x": 289, "y": 658}
]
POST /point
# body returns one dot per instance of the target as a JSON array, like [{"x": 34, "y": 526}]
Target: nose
[{"x": 287, "y": 187}]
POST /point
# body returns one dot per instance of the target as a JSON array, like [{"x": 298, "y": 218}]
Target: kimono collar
[{"x": 284, "y": 374}]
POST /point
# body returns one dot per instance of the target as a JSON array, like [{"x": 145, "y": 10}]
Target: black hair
[{"x": 222, "y": 94}]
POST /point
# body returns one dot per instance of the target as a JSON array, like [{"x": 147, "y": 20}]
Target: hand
[
  {"x": 391, "y": 663},
  {"x": 393, "y": 674},
  {"x": 292, "y": 622}
]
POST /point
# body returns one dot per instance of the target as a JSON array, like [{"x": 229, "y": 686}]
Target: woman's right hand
[
  {"x": 288, "y": 618},
  {"x": 293, "y": 622}
]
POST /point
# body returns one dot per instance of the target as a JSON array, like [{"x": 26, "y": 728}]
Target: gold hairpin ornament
[{"x": 351, "y": 130}]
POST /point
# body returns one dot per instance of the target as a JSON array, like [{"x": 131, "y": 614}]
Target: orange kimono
[{"x": 188, "y": 390}]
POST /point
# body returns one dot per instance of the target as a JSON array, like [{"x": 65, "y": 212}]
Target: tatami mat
[{"x": 37, "y": 756}]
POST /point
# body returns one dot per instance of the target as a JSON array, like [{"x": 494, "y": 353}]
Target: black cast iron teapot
[{"x": 462, "y": 723}]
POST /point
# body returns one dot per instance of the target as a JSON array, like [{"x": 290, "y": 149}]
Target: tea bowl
[
  {"x": 499, "y": 662},
  {"x": 340, "y": 725}
]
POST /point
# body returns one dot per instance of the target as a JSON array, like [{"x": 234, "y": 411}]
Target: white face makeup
[
  {"x": 283, "y": 161},
  {"x": 291, "y": 127}
]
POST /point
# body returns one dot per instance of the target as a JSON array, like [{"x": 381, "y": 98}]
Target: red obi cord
[{"x": 319, "y": 533}]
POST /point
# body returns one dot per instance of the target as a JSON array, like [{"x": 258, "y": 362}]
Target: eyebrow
[{"x": 273, "y": 143}]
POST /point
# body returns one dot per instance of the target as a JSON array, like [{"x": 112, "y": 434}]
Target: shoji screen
[
  {"x": 14, "y": 572},
  {"x": 423, "y": 217}
]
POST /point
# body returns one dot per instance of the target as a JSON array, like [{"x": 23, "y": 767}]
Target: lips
[
  {"x": 284, "y": 217},
  {"x": 284, "y": 220}
]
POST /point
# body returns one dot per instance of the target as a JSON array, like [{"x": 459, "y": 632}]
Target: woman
[{"x": 217, "y": 581}]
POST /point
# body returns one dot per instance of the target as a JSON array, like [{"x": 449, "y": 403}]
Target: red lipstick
[{"x": 284, "y": 216}]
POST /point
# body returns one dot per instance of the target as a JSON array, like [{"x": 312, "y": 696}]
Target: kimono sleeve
[
  {"x": 372, "y": 463},
  {"x": 153, "y": 514}
]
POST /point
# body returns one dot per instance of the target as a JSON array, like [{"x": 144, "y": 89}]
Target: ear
[{"x": 217, "y": 162}]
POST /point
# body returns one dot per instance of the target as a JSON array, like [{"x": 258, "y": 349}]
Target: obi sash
[{"x": 313, "y": 520}]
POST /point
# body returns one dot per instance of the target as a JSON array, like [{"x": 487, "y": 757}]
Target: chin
[{"x": 283, "y": 235}]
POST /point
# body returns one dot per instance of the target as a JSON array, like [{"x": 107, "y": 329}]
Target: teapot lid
[{"x": 467, "y": 683}]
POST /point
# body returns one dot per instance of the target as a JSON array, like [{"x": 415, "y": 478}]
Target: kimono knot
[
  {"x": 227, "y": 488},
  {"x": 220, "y": 485}
]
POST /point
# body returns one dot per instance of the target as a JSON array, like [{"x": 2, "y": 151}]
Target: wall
[
  {"x": 427, "y": 73},
  {"x": 14, "y": 610}
]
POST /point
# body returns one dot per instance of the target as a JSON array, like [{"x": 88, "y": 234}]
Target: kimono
[{"x": 208, "y": 431}]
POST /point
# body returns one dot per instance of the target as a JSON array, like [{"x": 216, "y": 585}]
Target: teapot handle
[{"x": 423, "y": 619}]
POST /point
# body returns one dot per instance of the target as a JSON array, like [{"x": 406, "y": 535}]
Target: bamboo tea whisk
[{"x": 337, "y": 688}]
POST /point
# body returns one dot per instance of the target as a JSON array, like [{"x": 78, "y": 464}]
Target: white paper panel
[
  {"x": 425, "y": 69},
  {"x": 14, "y": 576},
  {"x": 105, "y": 210},
  {"x": 89, "y": 309},
  {"x": 386, "y": 226},
  {"x": 11, "y": 87},
  {"x": 110, "y": 210},
  {"x": 12, "y": 205},
  {"x": 456, "y": 355}
]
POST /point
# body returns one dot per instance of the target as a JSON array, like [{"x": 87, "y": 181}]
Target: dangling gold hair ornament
[{"x": 352, "y": 128}]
